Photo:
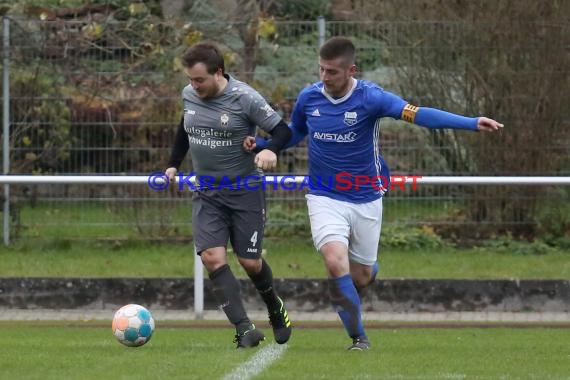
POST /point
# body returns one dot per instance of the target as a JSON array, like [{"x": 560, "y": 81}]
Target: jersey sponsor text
[{"x": 335, "y": 137}]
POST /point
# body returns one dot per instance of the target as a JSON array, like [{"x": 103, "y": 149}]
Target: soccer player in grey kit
[{"x": 219, "y": 113}]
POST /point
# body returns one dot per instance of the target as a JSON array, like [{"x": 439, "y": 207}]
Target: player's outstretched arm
[{"x": 434, "y": 118}]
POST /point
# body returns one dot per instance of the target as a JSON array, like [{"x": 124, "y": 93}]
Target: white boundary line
[{"x": 257, "y": 363}]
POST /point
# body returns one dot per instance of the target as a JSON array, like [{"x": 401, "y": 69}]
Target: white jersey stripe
[{"x": 377, "y": 161}]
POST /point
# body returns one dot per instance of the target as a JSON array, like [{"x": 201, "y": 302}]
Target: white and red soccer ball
[{"x": 133, "y": 325}]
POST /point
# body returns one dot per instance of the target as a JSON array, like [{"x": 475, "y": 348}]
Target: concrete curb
[{"x": 400, "y": 296}]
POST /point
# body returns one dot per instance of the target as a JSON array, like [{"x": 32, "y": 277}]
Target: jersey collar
[{"x": 344, "y": 98}]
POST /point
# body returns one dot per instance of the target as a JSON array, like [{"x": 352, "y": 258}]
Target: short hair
[
  {"x": 206, "y": 53},
  {"x": 338, "y": 47}
]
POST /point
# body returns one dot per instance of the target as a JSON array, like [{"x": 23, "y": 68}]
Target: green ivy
[{"x": 410, "y": 238}]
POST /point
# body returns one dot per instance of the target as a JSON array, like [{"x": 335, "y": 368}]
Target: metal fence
[{"x": 104, "y": 98}]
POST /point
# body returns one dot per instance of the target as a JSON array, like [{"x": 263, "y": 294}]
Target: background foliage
[{"x": 95, "y": 89}]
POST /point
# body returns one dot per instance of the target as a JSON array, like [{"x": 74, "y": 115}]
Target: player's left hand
[
  {"x": 488, "y": 125},
  {"x": 266, "y": 159}
]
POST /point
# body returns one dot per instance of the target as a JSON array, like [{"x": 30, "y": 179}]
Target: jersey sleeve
[
  {"x": 383, "y": 103},
  {"x": 298, "y": 129},
  {"x": 387, "y": 104},
  {"x": 434, "y": 118},
  {"x": 298, "y": 124},
  {"x": 259, "y": 111}
]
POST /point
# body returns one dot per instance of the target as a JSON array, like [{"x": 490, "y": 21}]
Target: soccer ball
[{"x": 133, "y": 325}]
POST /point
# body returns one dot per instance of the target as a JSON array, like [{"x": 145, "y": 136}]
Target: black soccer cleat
[
  {"x": 279, "y": 320},
  {"x": 249, "y": 338},
  {"x": 360, "y": 343}
]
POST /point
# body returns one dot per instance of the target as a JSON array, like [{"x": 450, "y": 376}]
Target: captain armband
[{"x": 409, "y": 113}]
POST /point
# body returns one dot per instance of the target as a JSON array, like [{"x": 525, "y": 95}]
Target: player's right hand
[{"x": 171, "y": 174}]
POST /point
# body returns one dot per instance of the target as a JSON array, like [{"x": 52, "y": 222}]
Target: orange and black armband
[{"x": 409, "y": 113}]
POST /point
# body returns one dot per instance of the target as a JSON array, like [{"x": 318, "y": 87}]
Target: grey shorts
[{"x": 222, "y": 215}]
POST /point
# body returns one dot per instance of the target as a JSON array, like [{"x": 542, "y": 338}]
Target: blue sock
[{"x": 346, "y": 301}]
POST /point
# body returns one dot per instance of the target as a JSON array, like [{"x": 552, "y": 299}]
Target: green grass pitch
[{"x": 76, "y": 350}]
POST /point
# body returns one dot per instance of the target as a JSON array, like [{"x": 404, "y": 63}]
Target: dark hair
[
  {"x": 338, "y": 47},
  {"x": 206, "y": 53}
]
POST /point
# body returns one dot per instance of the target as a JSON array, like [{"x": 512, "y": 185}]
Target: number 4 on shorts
[{"x": 253, "y": 239}]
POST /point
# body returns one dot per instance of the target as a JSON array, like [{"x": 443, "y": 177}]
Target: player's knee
[
  {"x": 251, "y": 266},
  {"x": 336, "y": 261},
  {"x": 336, "y": 268},
  {"x": 213, "y": 258}
]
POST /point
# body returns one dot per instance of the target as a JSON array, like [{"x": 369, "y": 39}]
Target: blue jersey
[
  {"x": 344, "y": 149},
  {"x": 345, "y": 162}
]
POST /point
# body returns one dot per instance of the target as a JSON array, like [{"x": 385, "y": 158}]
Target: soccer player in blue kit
[{"x": 347, "y": 175}]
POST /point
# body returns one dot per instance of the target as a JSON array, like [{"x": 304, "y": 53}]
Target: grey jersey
[{"x": 217, "y": 127}]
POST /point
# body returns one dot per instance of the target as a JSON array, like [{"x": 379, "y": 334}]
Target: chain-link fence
[{"x": 102, "y": 96}]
